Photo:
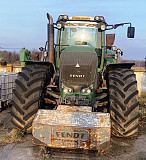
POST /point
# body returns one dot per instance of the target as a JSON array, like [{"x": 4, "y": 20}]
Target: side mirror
[{"x": 130, "y": 32}]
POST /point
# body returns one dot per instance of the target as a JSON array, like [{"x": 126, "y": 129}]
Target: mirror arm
[
  {"x": 116, "y": 25},
  {"x": 110, "y": 27}
]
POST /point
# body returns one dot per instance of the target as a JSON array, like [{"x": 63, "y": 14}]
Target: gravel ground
[{"x": 121, "y": 149}]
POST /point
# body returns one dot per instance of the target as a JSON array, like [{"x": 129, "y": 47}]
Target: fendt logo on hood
[
  {"x": 77, "y": 75},
  {"x": 77, "y": 65}
]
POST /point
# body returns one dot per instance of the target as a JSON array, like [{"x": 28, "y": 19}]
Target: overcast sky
[{"x": 23, "y": 22}]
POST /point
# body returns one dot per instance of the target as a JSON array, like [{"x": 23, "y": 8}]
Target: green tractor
[{"x": 79, "y": 93}]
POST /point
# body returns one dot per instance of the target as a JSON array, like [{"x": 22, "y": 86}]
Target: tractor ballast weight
[
  {"x": 79, "y": 93},
  {"x": 75, "y": 127}
]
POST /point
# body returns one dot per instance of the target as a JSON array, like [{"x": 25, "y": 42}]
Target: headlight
[
  {"x": 63, "y": 17},
  {"x": 66, "y": 89},
  {"x": 59, "y": 26},
  {"x": 83, "y": 91},
  {"x": 96, "y": 18},
  {"x": 118, "y": 51},
  {"x": 99, "y": 18},
  {"x": 103, "y": 27},
  {"x": 87, "y": 90},
  {"x": 45, "y": 54}
]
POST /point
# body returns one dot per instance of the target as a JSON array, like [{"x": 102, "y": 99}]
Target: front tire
[
  {"x": 28, "y": 95},
  {"x": 124, "y": 105}
]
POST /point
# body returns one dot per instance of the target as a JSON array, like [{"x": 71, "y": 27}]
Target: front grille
[{"x": 77, "y": 77}]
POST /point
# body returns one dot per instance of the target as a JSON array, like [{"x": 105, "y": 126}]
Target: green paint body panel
[
  {"x": 57, "y": 52},
  {"x": 24, "y": 56},
  {"x": 103, "y": 52},
  {"x": 110, "y": 60},
  {"x": 79, "y": 49}
]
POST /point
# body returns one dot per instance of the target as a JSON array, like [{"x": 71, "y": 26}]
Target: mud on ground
[{"x": 121, "y": 149}]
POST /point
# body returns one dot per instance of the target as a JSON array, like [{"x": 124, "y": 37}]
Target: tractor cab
[{"x": 80, "y": 33}]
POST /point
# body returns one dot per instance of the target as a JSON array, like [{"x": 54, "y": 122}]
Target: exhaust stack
[{"x": 50, "y": 39}]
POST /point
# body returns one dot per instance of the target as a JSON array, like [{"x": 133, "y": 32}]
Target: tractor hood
[{"x": 78, "y": 67}]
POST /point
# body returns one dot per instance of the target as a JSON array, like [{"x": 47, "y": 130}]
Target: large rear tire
[
  {"x": 124, "y": 105},
  {"x": 28, "y": 95}
]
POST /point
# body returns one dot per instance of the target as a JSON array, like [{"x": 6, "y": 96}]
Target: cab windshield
[{"x": 83, "y": 34}]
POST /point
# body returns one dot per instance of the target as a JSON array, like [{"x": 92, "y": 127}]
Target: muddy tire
[
  {"x": 28, "y": 95},
  {"x": 124, "y": 105}
]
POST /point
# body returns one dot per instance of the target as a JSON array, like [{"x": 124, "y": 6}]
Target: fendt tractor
[{"x": 79, "y": 92}]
